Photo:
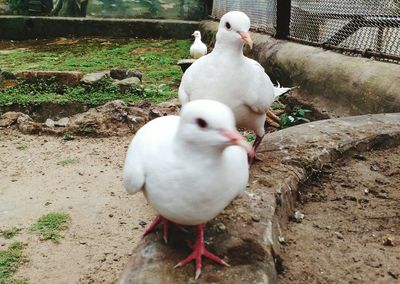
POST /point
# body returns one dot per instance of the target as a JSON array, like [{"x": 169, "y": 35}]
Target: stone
[
  {"x": 49, "y": 122},
  {"x": 298, "y": 216},
  {"x": 9, "y": 118},
  {"x": 63, "y": 122},
  {"x": 339, "y": 235},
  {"x": 69, "y": 78},
  {"x": 120, "y": 74},
  {"x": 127, "y": 83},
  {"x": 5, "y": 75},
  {"x": 93, "y": 78}
]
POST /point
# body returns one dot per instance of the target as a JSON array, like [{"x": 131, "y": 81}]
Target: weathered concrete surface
[
  {"x": 21, "y": 27},
  {"x": 337, "y": 83},
  {"x": 246, "y": 233}
]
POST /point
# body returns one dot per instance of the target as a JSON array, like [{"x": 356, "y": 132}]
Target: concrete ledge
[
  {"x": 22, "y": 27},
  {"x": 247, "y": 232},
  {"x": 339, "y": 84}
]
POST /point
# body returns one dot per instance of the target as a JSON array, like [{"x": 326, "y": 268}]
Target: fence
[{"x": 370, "y": 28}]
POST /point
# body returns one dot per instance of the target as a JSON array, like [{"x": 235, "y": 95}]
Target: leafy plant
[
  {"x": 295, "y": 117},
  {"x": 17, "y": 7},
  {"x": 10, "y": 259},
  {"x": 11, "y": 232},
  {"x": 50, "y": 225},
  {"x": 67, "y": 162},
  {"x": 250, "y": 137}
]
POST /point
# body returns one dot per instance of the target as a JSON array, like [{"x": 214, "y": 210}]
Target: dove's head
[
  {"x": 196, "y": 34},
  {"x": 210, "y": 125},
  {"x": 234, "y": 29}
]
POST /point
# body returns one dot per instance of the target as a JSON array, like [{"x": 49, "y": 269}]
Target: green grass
[
  {"x": 156, "y": 59},
  {"x": 22, "y": 146},
  {"x": 50, "y": 225},
  {"x": 11, "y": 232},
  {"x": 67, "y": 162},
  {"x": 10, "y": 259}
]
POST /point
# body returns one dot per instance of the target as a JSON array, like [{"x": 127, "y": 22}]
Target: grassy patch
[
  {"x": 10, "y": 259},
  {"x": 22, "y": 146},
  {"x": 11, "y": 232},
  {"x": 67, "y": 162},
  {"x": 250, "y": 137},
  {"x": 50, "y": 225},
  {"x": 294, "y": 117},
  {"x": 156, "y": 59}
]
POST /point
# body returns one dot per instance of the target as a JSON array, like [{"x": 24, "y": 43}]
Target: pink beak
[
  {"x": 236, "y": 139},
  {"x": 246, "y": 38}
]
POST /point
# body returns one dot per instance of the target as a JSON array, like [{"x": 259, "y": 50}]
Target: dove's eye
[
  {"x": 201, "y": 123},
  {"x": 228, "y": 25}
]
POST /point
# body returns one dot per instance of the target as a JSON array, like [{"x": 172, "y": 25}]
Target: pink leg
[
  {"x": 159, "y": 219},
  {"x": 200, "y": 250},
  {"x": 256, "y": 143}
]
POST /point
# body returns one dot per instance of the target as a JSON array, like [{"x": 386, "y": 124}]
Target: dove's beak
[
  {"x": 236, "y": 139},
  {"x": 246, "y": 38}
]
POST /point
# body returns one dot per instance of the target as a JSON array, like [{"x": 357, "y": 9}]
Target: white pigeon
[
  {"x": 226, "y": 75},
  {"x": 189, "y": 168},
  {"x": 198, "y": 48}
]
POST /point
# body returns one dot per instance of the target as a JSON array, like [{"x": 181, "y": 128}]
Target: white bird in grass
[
  {"x": 189, "y": 168},
  {"x": 198, "y": 48},
  {"x": 226, "y": 75}
]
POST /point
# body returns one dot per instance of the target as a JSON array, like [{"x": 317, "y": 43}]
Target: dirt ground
[
  {"x": 105, "y": 219},
  {"x": 351, "y": 229}
]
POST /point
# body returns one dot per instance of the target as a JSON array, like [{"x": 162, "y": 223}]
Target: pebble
[
  {"x": 388, "y": 241},
  {"x": 339, "y": 235},
  {"x": 395, "y": 275},
  {"x": 142, "y": 223},
  {"x": 221, "y": 227},
  {"x": 110, "y": 215},
  {"x": 298, "y": 216}
]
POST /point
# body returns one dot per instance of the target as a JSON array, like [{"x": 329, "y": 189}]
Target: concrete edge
[
  {"x": 338, "y": 83},
  {"x": 24, "y": 27},
  {"x": 253, "y": 222}
]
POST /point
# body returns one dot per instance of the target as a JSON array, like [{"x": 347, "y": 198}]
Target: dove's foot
[
  {"x": 159, "y": 219},
  {"x": 256, "y": 143},
  {"x": 272, "y": 119},
  {"x": 199, "y": 251}
]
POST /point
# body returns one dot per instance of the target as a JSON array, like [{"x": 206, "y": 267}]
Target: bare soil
[
  {"x": 105, "y": 219},
  {"x": 351, "y": 229}
]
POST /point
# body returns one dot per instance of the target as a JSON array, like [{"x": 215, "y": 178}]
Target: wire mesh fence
[{"x": 367, "y": 27}]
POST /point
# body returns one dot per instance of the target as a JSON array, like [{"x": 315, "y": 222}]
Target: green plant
[
  {"x": 50, "y": 225},
  {"x": 17, "y": 7},
  {"x": 11, "y": 232},
  {"x": 295, "y": 117},
  {"x": 250, "y": 137},
  {"x": 67, "y": 162},
  {"x": 10, "y": 259},
  {"x": 22, "y": 146}
]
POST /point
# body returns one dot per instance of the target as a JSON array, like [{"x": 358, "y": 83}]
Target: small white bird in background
[
  {"x": 226, "y": 75},
  {"x": 189, "y": 168},
  {"x": 198, "y": 48}
]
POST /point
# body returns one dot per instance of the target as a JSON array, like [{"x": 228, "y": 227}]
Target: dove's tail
[{"x": 278, "y": 90}]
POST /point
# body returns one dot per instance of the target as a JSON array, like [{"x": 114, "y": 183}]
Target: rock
[
  {"x": 339, "y": 235},
  {"x": 388, "y": 241},
  {"x": 69, "y": 78},
  {"x": 9, "y": 118},
  {"x": 393, "y": 274},
  {"x": 63, "y": 122},
  {"x": 127, "y": 83},
  {"x": 171, "y": 107},
  {"x": 373, "y": 263},
  {"x": 281, "y": 240},
  {"x": 221, "y": 227},
  {"x": 93, "y": 78},
  {"x": 5, "y": 75},
  {"x": 120, "y": 74},
  {"x": 27, "y": 125},
  {"x": 298, "y": 216},
  {"x": 142, "y": 223},
  {"x": 49, "y": 122}
]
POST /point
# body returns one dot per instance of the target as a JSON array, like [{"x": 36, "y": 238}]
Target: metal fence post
[{"x": 282, "y": 18}]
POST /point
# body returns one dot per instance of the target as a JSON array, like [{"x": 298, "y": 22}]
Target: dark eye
[
  {"x": 201, "y": 123},
  {"x": 228, "y": 25}
]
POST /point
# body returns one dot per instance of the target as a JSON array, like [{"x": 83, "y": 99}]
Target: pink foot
[
  {"x": 159, "y": 219},
  {"x": 199, "y": 251}
]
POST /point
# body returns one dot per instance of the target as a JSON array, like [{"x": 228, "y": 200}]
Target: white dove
[
  {"x": 226, "y": 75},
  {"x": 189, "y": 168},
  {"x": 198, "y": 48}
]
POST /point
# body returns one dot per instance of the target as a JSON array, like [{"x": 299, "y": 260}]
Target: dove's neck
[
  {"x": 229, "y": 49},
  {"x": 197, "y": 39}
]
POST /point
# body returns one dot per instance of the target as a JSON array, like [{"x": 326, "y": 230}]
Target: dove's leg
[
  {"x": 200, "y": 250},
  {"x": 256, "y": 143},
  {"x": 159, "y": 219}
]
